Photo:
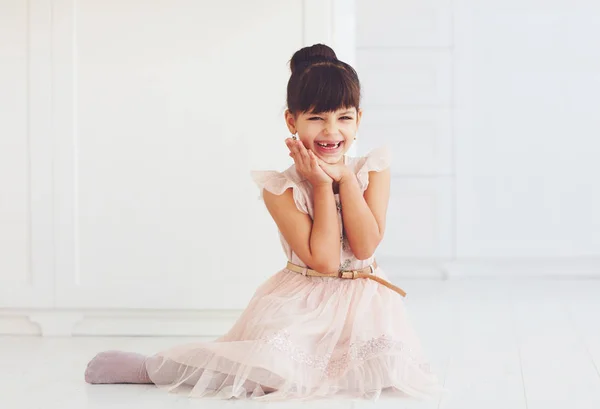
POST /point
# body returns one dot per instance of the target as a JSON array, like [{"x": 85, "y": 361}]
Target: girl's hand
[
  {"x": 306, "y": 163},
  {"x": 337, "y": 172}
]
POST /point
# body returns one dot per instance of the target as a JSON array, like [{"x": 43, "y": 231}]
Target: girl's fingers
[
  {"x": 293, "y": 151},
  {"x": 300, "y": 146},
  {"x": 302, "y": 153},
  {"x": 291, "y": 145},
  {"x": 313, "y": 159}
]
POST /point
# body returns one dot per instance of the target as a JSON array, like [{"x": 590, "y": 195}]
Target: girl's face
[{"x": 328, "y": 134}]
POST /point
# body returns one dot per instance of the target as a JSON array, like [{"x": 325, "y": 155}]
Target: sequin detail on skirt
[{"x": 334, "y": 367}]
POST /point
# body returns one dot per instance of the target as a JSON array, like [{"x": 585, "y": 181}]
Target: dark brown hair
[{"x": 320, "y": 82}]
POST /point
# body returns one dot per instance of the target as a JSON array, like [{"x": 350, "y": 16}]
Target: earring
[{"x": 294, "y": 137}]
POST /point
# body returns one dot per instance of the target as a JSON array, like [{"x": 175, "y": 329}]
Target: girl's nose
[{"x": 330, "y": 129}]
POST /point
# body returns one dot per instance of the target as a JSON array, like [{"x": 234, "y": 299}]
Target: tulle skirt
[{"x": 302, "y": 338}]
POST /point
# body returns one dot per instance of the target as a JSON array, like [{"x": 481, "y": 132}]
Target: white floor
[{"x": 531, "y": 344}]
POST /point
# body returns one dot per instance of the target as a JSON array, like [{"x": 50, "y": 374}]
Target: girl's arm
[
  {"x": 317, "y": 242},
  {"x": 364, "y": 216}
]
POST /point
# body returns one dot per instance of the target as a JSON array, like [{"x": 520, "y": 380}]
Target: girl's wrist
[{"x": 327, "y": 184}]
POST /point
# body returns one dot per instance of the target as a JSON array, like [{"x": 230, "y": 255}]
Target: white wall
[
  {"x": 117, "y": 215},
  {"x": 491, "y": 111},
  {"x": 527, "y": 86},
  {"x": 127, "y": 135}
]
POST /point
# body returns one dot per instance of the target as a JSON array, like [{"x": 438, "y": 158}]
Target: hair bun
[{"x": 309, "y": 55}]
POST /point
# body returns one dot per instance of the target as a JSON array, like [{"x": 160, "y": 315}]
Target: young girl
[{"x": 329, "y": 323}]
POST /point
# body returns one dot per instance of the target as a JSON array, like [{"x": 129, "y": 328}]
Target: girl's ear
[
  {"x": 290, "y": 121},
  {"x": 358, "y": 117}
]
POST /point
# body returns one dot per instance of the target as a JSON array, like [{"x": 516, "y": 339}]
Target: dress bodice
[{"x": 278, "y": 182}]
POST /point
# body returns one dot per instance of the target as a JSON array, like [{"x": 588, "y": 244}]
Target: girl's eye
[
  {"x": 346, "y": 117},
  {"x": 313, "y": 118}
]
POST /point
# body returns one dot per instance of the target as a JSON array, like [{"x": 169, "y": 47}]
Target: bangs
[{"x": 327, "y": 88}]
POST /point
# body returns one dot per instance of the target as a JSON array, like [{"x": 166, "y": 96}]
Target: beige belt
[{"x": 367, "y": 272}]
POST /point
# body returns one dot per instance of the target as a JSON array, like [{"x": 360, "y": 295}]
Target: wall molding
[
  {"x": 122, "y": 322},
  {"x": 36, "y": 289}
]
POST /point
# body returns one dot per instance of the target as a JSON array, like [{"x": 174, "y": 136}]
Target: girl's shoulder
[
  {"x": 278, "y": 182},
  {"x": 271, "y": 178},
  {"x": 375, "y": 160}
]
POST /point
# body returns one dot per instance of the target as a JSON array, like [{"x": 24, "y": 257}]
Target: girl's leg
[
  {"x": 130, "y": 367},
  {"x": 117, "y": 367}
]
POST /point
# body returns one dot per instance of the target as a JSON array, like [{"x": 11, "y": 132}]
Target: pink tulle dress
[{"x": 303, "y": 337}]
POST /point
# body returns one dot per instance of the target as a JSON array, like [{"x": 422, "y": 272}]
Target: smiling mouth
[{"x": 332, "y": 146}]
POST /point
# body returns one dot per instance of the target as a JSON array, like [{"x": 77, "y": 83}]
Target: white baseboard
[
  {"x": 116, "y": 323},
  {"x": 213, "y": 323}
]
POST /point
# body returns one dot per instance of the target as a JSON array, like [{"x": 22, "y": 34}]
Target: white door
[{"x": 162, "y": 108}]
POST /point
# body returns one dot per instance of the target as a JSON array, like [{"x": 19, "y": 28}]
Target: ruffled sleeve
[
  {"x": 277, "y": 183},
  {"x": 375, "y": 161}
]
